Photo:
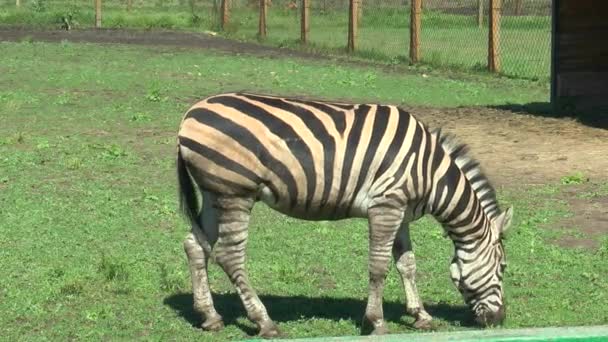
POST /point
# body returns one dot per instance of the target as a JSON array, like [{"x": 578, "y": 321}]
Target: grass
[
  {"x": 448, "y": 41},
  {"x": 91, "y": 243}
]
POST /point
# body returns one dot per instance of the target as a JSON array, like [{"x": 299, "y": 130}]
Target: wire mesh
[{"x": 453, "y": 33}]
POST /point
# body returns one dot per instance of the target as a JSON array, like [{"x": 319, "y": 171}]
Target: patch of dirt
[
  {"x": 151, "y": 38},
  {"x": 590, "y": 217},
  {"x": 517, "y": 150}
]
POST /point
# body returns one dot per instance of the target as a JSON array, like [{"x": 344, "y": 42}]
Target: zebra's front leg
[
  {"x": 198, "y": 258},
  {"x": 383, "y": 224},
  {"x": 233, "y": 220},
  {"x": 403, "y": 255}
]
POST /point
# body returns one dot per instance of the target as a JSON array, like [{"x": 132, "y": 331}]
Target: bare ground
[{"x": 517, "y": 149}]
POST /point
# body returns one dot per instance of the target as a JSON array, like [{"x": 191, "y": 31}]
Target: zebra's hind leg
[
  {"x": 198, "y": 245},
  {"x": 203, "y": 303},
  {"x": 233, "y": 222},
  {"x": 383, "y": 225},
  {"x": 403, "y": 255}
]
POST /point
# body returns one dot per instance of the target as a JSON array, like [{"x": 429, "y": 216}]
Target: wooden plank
[
  {"x": 583, "y": 51},
  {"x": 415, "y": 13},
  {"x": 583, "y": 84},
  {"x": 581, "y": 15},
  {"x": 494, "y": 36},
  {"x": 305, "y": 23}
]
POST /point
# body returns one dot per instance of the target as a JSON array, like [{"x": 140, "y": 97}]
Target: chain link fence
[
  {"x": 456, "y": 33},
  {"x": 452, "y": 33}
]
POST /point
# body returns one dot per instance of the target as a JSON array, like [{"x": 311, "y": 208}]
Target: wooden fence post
[
  {"x": 480, "y": 13},
  {"x": 352, "y": 25},
  {"x": 305, "y": 28},
  {"x": 97, "y": 13},
  {"x": 415, "y": 12},
  {"x": 224, "y": 15},
  {"x": 494, "y": 36},
  {"x": 262, "y": 21}
]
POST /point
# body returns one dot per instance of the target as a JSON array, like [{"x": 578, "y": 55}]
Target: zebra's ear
[{"x": 503, "y": 221}]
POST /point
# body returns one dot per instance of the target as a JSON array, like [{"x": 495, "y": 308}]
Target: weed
[
  {"x": 155, "y": 95},
  {"x": 15, "y": 138},
  {"x": 38, "y": 5},
  {"x": 171, "y": 280},
  {"x": 43, "y": 144},
  {"x": 576, "y": 178},
  {"x": 71, "y": 289},
  {"x": 74, "y": 163},
  {"x": 111, "y": 151},
  {"x": 140, "y": 117},
  {"x": 113, "y": 270}
]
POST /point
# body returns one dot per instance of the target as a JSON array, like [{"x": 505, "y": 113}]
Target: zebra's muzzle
[{"x": 491, "y": 318}]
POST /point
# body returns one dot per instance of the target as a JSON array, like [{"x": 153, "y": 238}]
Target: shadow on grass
[
  {"x": 596, "y": 119},
  {"x": 285, "y": 309}
]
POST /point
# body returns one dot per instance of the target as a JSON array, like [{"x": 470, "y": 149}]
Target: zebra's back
[{"x": 309, "y": 159}]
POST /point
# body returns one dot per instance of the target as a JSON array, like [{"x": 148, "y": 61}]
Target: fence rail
[{"x": 507, "y": 36}]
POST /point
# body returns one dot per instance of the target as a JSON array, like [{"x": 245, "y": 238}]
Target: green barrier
[{"x": 565, "y": 334}]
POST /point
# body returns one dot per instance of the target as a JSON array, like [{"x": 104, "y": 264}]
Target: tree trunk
[{"x": 18, "y": 3}]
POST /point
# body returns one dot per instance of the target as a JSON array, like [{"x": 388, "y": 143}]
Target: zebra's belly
[{"x": 314, "y": 212}]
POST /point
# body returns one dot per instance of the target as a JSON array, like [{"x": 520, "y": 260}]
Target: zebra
[{"x": 320, "y": 160}]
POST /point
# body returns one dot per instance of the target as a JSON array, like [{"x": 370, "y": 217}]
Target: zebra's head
[{"x": 478, "y": 273}]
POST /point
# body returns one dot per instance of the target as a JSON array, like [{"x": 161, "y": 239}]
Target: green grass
[
  {"x": 452, "y": 41},
  {"x": 91, "y": 242}
]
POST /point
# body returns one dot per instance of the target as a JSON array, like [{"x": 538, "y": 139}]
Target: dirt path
[
  {"x": 514, "y": 148},
  {"x": 180, "y": 39}
]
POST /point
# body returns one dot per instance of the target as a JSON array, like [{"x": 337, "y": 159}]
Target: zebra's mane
[{"x": 459, "y": 152}]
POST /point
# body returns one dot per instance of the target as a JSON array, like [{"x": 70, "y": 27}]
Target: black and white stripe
[{"x": 325, "y": 161}]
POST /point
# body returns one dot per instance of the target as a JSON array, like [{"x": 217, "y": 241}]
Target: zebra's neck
[{"x": 461, "y": 198}]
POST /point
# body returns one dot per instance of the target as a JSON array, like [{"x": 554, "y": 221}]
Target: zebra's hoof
[
  {"x": 213, "y": 324},
  {"x": 380, "y": 330},
  {"x": 423, "y": 324},
  {"x": 269, "y": 330}
]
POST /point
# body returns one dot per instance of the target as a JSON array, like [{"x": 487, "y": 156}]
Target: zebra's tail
[{"x": 187, "y": 192}]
